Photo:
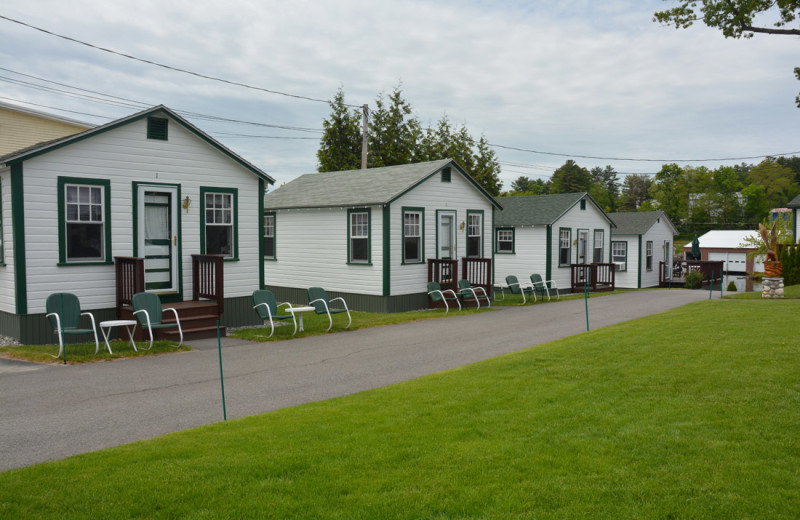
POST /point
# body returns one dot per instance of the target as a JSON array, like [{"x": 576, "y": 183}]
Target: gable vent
[
  {"x": 157, "y": 128},
  {"x": 446, "y": 174}
]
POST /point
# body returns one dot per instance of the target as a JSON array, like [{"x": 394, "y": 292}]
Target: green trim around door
[
  {"x": 387, "y": 250},
  {"x": 18, "y": 228}
]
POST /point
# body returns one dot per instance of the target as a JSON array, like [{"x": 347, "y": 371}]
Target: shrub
[
  {"x": 731, "y": 286},
  {"x": 694, "y": 279}
]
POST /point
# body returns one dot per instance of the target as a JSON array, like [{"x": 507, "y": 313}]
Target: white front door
[
  {"x": 583, "y": 240},
  {"x": 158, "y": 236},
  {"x": 446, "y": 238}
]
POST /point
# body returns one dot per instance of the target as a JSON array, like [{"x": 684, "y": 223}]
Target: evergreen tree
[
  {"x": 394, "y": 131},
  {"x": 570, "y": 178},
  {"x": 340, "y": 146}
]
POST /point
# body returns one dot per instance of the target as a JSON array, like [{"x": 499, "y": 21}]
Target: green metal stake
[
  {"x": 221, "y": 381},
  {"x": 586, "y": 301},
  {"x": 711, "y": 287}
]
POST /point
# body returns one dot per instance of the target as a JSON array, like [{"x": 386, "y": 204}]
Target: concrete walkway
[{"x": 50, "y": 412}]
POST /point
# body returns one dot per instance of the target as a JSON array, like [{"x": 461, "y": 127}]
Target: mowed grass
[
  {"x": 790, "y": 292},
  {"x": 84, "y": 352},
  {"x": 693, "y": 413}
]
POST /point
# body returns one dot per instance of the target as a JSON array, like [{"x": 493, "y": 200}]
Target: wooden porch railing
[
  {"x": 207, "y": 279},
  {"x": 600, "y": 277},
  {"x": 709, "y": 268},
  {"x": 478, "y": 271},
  {"x": 129, "y": 279},
  {"x": 444, "y": 271}
]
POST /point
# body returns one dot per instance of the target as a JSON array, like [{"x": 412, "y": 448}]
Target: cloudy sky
[{"x": 566, "y": 78}]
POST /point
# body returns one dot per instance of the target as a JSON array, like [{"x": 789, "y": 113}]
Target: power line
[
  {"x": 640, "y": 160},
  {"x": 168, "y": 67}
]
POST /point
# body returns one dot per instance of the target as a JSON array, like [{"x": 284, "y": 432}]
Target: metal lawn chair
[
  {"x": 147, "y": 309},
  {"x": 318, "y": 298},
  {"x": 543, "y": 286},
  {"x": 64, "y": 314},
  {"x": 517, "y": 288},
  {"x": 467, "y": 293},
  {"x": 267, "y": 308},
  {"x": 437, "y": 294}
]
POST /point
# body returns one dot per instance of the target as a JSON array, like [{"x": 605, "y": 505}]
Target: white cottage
[
  {"x": 794, "y": 205},
  {"x": 367, "y": 234},
  {"x": 151, "y": 188},
  {"x": 547, "y": 234},
  {"x": 641, "y": 241}
]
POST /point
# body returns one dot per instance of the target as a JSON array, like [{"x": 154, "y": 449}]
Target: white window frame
[
  {"x": 74, "y": 216},
  {"x": 474, "y": 234},
  {"x": 358, "y": 222},
  {"x": 413, "y": 230},
  {"x": 505, "y": 241},
  {"x": 648, "y": 254},
  {"x": 218, "y": 212},
  {"x": 564, "y": 243},
  {"x": 598, "y": 246},
  {"x": 269, "y": 233},
  {"x": 619, "y": 254}
]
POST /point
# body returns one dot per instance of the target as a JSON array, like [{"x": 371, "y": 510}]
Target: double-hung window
[
  {"x": 505, "y": 240},
  {"x": 474, "y": 233},
  {"x": 413, "y": 226},
  {"x": 358, "y": 229},
  {"x": 564, "y": 246},
  {"x": 619, "y": 255},
  {"x": 269, "y": 236},
  {"x": 649, "y": 255},
  {"x": 219, "y": 226},
  {"x": 84, "y": 220},
  {"x": 597, "y": 256}
]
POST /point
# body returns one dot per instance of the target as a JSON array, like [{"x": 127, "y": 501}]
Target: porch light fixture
[
  {"x": 461, "y": 226},
  {"x": 186, "y": 202}
]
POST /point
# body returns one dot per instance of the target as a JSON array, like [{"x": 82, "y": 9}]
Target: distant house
[
  {"x": 794, "y": 205},
  {"x": 725, "y": 246},
  {"x": 367, "y": 234},
  {"x": 23, "y": 127},
  {"x": 641, "y": 240},
  {"x": 151, "y": 187},
  {"x": 546, "y": 234}
]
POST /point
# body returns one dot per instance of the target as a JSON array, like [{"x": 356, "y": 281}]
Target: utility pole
[{"x": 364, "y": 125}]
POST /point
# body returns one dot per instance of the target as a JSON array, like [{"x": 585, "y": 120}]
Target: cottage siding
[
  {"x": 529, "y": 257},
  {"x": 311, "y": 250},
  {"x": 19, "y": 130},
  {"x": 124, "y": 155},
  {"x": 630, "y": 277},
  {"x": 459, "y": 195},
  {"x": 576, "y": 219},
  {"x": 7, "y": 299},
  {"x": 657, "y": 234}
]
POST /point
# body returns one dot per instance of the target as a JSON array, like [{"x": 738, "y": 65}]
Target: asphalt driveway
[{"x": 50, "y": 412}]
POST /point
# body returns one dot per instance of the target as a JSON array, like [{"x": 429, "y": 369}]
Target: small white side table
[
  {"x": 106, "y": 326},
  {"x": 298, "y": 311}
]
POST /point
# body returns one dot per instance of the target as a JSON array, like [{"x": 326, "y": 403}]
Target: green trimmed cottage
[
  {"x": 640, "y": 242},
  {"x": 547, "y": 234},
  {"x": 367, "y": 234},
  {"x": 150, "y": 187},
  {"x": 794, "y": 205}
]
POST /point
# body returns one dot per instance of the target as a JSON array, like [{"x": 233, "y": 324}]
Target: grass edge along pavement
[{"x": 628, "y": 421}]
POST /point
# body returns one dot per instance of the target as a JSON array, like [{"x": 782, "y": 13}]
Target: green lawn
[
  {"x": 84, "y": 352},
  {"x": 790, "y": 292},
  {"x": 630, "y": 421}
]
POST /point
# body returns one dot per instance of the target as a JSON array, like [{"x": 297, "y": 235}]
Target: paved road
[{"x": 53, "y": 411}]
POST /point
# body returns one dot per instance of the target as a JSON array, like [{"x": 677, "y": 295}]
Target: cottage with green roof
[
  {"x": 546, "y": 234},
  {"x": 150, "y": 191},
  {"x": 641, "y": 241},
  {"x": 367, "y": 234}
]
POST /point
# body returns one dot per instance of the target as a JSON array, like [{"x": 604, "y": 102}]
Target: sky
[{"x": 594, "y": 81}]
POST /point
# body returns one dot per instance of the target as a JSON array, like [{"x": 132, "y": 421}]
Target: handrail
[
  {"x": 444, "y": 271},
  {"x": 478, "y": 271},
  {"x": 599, "y": 275},
  {"x": 129, "y": 275},
  {"x": 208, "y": 280}
]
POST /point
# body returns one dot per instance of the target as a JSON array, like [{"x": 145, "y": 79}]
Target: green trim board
[
  {"x": 234, "y": 192},
  {"x": 549, "y": 252},
  {"x": 62, "y": 183},
  {"x": 56, "y": 144},
  {"x": 350, "y": 213},
  {"x": 480, "y": 212},
  {"x": 18, "y": 228},
  {"x": 387, "y": 251},
  {"x": 2, "y": 245},
  {"x": 639, "y": 267},
  {"x": 261, "y": 190},
  {"x": 421, "y": 211}
]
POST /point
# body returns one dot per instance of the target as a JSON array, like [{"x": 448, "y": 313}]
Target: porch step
[
  {"x": 193, "y": 333},
  {"x": 198, "y": 321}
]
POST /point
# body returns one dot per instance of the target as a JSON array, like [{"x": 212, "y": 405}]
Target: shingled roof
[
  {"x": 532, "y": 210},
  {"x": 638, "y": 222},
  {"x": 368, "y": 187},
  {"x": 795, "y": 203}
]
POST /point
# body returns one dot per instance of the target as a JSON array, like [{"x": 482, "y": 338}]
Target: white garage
[{"x": 732, "y": 262}]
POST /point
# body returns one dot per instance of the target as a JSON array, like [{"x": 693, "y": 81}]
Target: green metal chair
[
  {"x": 543, "y": 286},
  {"x": 147, "y": 309},
  {"x": 468, "y": 293},
  {"x": 64, "y": 314},
  {"x": 318, "y": 298},
  {"x": 436, "y": 294},
  {"x": 517, "y": 288},
  {"x": 267, "y": 308}
]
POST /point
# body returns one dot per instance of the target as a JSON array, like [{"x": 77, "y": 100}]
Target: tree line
[{"x": 696, "y": 199}]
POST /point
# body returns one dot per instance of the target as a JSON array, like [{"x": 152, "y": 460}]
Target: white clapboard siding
[
  {"x": 529, "y": 257},
  {"x": 7, "y": 299},
  {"x": 576, "y": 218},
  {"x": 433, "y": 194},
  {"x": 630, "y": 277},
  {"x": 124, "y": 155},
  {"x": 311, "y": 251}
]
